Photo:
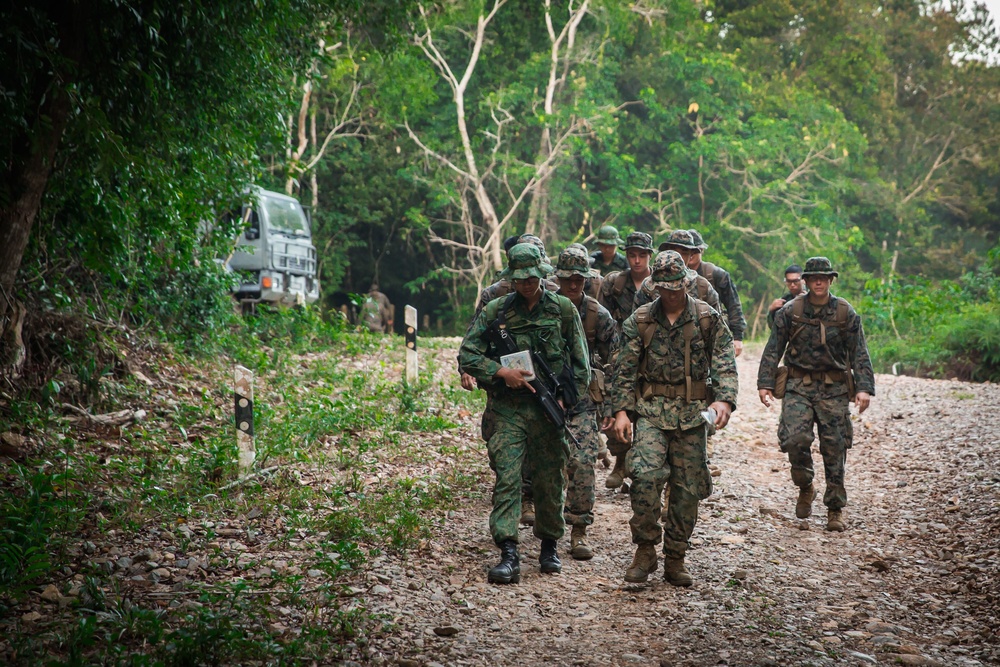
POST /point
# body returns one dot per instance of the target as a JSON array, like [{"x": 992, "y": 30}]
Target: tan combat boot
[
  {"x": 617, "y": 476},
  {"x": 803, "y": 506},
  {"x": 835, "y": 521},
  {"x": 578, "y": 547},
  {"x": 643, "y": 564},
  {"x": 675, "y": 573},
  {"x": 528, "y": 511}
]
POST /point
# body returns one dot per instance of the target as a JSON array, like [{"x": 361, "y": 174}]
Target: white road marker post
[
  {"x": 411, "y": 345},
  {"x": 243, "y": 381}
]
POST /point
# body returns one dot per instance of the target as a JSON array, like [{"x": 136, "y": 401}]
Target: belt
[
  {"x": 826, "y": 377},
  {"x": 698, "y": 390}
]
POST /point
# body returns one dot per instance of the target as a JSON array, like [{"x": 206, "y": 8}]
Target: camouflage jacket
[
  {"x": 619, "y": 305},
  {"x": 601, "y": 352},
  {"x": 619, "y": 263},
  {"x": 712, "y": 361},
  {"x": 558, "y": 339},
  {"x": 723, "y": 284},
  {"x": 700, "y": 289},
  {"x": 843, "y": 345}
]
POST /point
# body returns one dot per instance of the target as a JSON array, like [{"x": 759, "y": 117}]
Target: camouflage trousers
[
  {"x": 523, "y": 437},
  {"x": 675, "y": 459},
  {"x": 580, "y": 495},
  {"x": 826, "y": 406}
]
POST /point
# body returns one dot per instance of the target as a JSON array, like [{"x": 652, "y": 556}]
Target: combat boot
[
  {"x": 578, "y": 547},
  {"x": 674, "y": 572},
  {"x": 528, "y": 512},
  {"x": 803, "y": 506},
  {"x": 835, "y": 521},
  {"x": 643, "y": 564},
  {"x": 548, "y": 559},
  {"x": 509, "y": 569},
  {"x": 617, "y": 476}
]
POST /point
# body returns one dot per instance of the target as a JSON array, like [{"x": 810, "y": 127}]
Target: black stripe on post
[
  {"x": 244, "y": 415},
  {"x": 411, "y": 338}
]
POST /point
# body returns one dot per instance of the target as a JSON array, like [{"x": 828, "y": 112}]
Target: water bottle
[{"x": 709, "y": 417}]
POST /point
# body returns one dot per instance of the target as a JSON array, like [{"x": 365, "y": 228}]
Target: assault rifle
[{"x": 545, "y": 384}]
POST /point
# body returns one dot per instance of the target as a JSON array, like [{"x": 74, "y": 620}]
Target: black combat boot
[
  {"x": 509, "y": 569},
  {"x": 548, "y": 560}
]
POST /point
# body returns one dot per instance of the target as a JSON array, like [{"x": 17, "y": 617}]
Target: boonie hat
[
  {"x": 608, "y": 235},
  {"x": 679, "y": 238},
  {"x": 640, "y": 240},
  {"x": 819, "y": 266},
  {"x": 696, "y": 235},
  {"x": 573, "y": 262},
  {"x": 670, "y": 271},
  {"x": 535, "y": 241},
  {"x": 525, "y": 262}
]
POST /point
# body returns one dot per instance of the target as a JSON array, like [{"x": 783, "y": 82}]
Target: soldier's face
[
  {"x": 638, "y": 259},
  {"x": 819, "y": 285},
  {"x": 671, "y": 299},
  {"x": 607, "y": 251},
  {"x": 526, "y": 287},
  {"x": 794, "y": 283},
  {"x": 572, "y": 287},
  {"x": 692, "y": 258}
]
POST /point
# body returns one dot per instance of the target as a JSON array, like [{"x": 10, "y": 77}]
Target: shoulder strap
[
  {"x": 590, "y": 320},
  {"x": 619, "y": 284},
  {"x": 567, "y": 310},
  {"x": 843, "y": 309},
  {"x": 498, "y": 311},
  {"x": 703, "y": 286},
  {"x": 707, "y": 271}
]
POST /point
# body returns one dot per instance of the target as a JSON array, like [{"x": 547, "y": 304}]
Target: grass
[{"x": 359, "y": 471}]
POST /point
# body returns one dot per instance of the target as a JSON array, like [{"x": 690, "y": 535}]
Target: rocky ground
[{"x": 913, "y": 581}]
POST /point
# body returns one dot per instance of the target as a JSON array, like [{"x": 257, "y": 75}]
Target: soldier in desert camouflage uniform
[
  {"x": 826, "y": 354},
  {"x": 550, "y": 325},
  {"x": 676, "y": 360},
  {"x": 601, "y": 333}
]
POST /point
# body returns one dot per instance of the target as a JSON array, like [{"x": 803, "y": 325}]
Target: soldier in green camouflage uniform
[
  {"x": 618, "y": 296},
  {"x": 607, "y": 259},
  {"x": 572, "y": 270},
  {"x": 550, "y": 325},
  {"x": 825, "y": 343},
  {"x": 653, "y": 381},
  {"x": 691, "y": 249}
]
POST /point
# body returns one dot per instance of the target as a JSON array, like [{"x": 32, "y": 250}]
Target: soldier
[
  {"x": 549, "y": 324},
  {"x": 618, "y": 296},
  {"x": 827, "y": 358},
  {"x": 601, "y": 334},
  {"x": 721, "y": 281},
  {"x": 795, "y": 285},
  {"x": 607, "y": 259},
  {"x": 676, "y": 360},
  {"x": 699, "y": 289},
  {"x": 592, "y": 287},
  {"x": 376, "y": 312}
]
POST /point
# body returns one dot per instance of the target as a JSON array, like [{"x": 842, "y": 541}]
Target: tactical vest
[
  {"x": 800, "y": 321},
  {"x": 707, "y": 271},
  {"x": 691, "y": 389}
]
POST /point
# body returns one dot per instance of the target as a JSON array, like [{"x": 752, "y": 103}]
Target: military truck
[{"x": 275, "y": 254}]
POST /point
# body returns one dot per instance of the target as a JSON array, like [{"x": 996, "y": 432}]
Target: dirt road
[{"x": 913, "y": 581}]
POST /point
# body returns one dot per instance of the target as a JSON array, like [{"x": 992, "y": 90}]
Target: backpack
[
  {"x": 647, "y": 328},
  {"x": 620, "y": 278},
  {"x": 707, "y": 271},
  {"x": 590, "y": 320},
  {"x": 800, "y": 321}
]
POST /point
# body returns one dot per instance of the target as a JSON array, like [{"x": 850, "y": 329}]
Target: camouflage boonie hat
[
  {"x": 650, "y": 290},
  {"x": 696, "y": 235},
  {"x": 525, "y": 262},
  {"x": 608, "y": 235},
  {"x": 819, "y": 266},
  {"x": 670, "y": 271},
  {"x": 679, "y": 238},
  {"x": 580, "y": 246},
  {"x": 640, "y": 240},
  {"x": 535, "y": 241},
  {"x": 573, "y": 262}
]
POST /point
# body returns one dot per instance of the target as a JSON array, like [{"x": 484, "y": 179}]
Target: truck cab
[{"x": 275, "y": 251}]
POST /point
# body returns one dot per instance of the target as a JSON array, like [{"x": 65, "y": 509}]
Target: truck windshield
[{"x": 286, "y": 216}]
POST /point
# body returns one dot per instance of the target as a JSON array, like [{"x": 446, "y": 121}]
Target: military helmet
[
  {"x": 679, "y": 238},
  {"x": 535, "y": 241},
  {"x": 670, "y": 271},
  {"x": 525, "y": 261},
  {"x": 696, "y": 235},
  {"x": 573, "y": 262},
  {"x": 608, "y": 235},
  {"x": 640, "y": 240},
  {"x": 819, "y": 266}
]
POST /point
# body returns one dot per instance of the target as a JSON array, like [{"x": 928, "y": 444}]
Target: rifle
[{"x": 545, "y": 384}]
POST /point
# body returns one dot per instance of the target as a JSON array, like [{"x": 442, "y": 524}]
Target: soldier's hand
[
  {"x": 468, "y": 382},
  {"x": 722, "y": 413},
  {"x": 607, "y": 422},
  {"x": 623, "y": 427},
  {"x": 863, "y": 399},
  {"x": 514, "y": 378},
  {"x": 766, "y": 397},
  {"x": 738, "y": 346},
  {"x": 775, "y": 305}
]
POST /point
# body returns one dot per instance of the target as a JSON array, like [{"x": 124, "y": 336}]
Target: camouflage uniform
[
  {"x": 608, "y": 235},
  {"x": 817, "y": 390},
  {"x": 376, "y": 311},
  {"x": 553, "y": 329},
  {"x": 669, "y": 446},
  {"x": 724, "y": 285},
  {"x": 700, "y": 289}
]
